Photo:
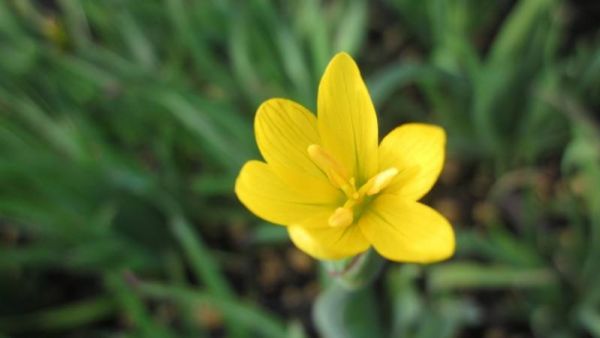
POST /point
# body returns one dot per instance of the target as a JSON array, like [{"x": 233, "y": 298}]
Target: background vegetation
[{"x": 123, "y": 124}]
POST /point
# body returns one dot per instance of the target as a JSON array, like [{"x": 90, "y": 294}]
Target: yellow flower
[{"x": 338, "y": 191}]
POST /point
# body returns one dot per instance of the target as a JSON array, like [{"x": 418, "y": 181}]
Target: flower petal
[
  {"x": 326, "y": 242},
  {"x": 269, "y": 197},
  {"x": 407, "y": 231},
  {"x": 284, "y": 130},
  {"x": 417, "y": 151},
  {"x": 346, "y": 118}
]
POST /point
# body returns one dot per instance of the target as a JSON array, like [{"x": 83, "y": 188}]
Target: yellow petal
[
  {"x": 417, "y": 151},
  {"x": 270, "y": 198},
  {"x": 324, "y": 242},
  {"x": 407, "y": 231},
  {"x": 284, "y": 130},
  {"x": 346, "y": 118},
  {"x": 300, "y": 181}
]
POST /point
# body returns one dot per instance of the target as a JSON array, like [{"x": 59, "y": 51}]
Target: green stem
[{"x": 357, "y": 272}]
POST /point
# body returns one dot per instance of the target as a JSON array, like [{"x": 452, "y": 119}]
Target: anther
[
  {"x": 332, "y": 168},
  {"x": 325, "y": 161},
  {"x": 341, "y": 217},
  {"x": 380, "y": 181}
]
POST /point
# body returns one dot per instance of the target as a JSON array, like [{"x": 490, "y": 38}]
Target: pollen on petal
[{"x": 341, "y": 217}]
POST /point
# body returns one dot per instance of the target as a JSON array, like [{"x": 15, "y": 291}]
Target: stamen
[
  {"x": 380, "y": 181},
  {"x": 354, "y": 195},
  {"x": 341, "y": 217},
  {"x": 325, "y": 161},
  {"x": 332, "y": 168}
]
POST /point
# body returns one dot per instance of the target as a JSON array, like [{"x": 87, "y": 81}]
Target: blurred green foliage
[{"x": 123, "y": 124}]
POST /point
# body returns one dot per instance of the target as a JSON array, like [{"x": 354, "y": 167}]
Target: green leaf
[
  {"x": 590, "y": 319},
  {"x": 516, "y": 30},
  {"x": 204, "y": 265},
  {"x": 351, "y": 28},
  {"x": 339, "y": 313},
  {"x": 246, "y": 316},
  {"x": 134, "y": 307},
  {"x": 62, "y": 317},
  {"x": 392, "y": 78},
  {"x": 201, "y": 123},
  {"x": 407, "y": 305},
  {"x": 468, "y": 275}
]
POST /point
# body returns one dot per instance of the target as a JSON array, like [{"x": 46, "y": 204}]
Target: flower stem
[{"x": 356, "y": 272}]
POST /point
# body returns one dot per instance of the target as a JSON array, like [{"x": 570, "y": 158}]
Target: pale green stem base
[{"x": 356, "y": 272}]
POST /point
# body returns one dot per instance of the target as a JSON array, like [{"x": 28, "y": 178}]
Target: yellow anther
[
  {"x": 380, "y": 181},
  {"x": 338, "y": 180},
  {"x": 325, "y": 161},
  {"x": 332, "y": 168},
  {"x": 353, "y": 194},
  {"x": 341, "y": 217}
]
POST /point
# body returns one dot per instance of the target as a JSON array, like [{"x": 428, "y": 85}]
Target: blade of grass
[
  {"x": 294, "y": 64},
  {"x": 77, "y": 23},
  {"x": 351, "y": 28},
  {"x": 515, "y": 31},
  {"x": 205, "y": 267},
  {"x": 241, "y": 58},
  {"x": 245, "y": 315},
  {"x": 467, "y": 275},
  {"x": 134, "y": 308},
  {"x": 139, "y": 46},
  {"x": 201, "y": 124},
  {"x": 312, "y": 11},
  {"x": 60, "y": 318},
  {"x": 392, "y": 78}
]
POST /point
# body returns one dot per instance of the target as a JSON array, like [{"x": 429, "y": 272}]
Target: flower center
[{"x": 338, "y": 176}]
